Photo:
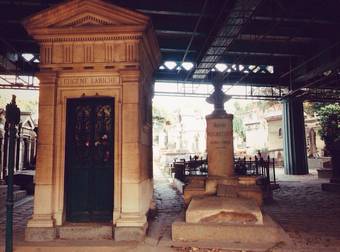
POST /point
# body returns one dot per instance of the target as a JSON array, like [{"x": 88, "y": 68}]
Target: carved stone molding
[{"x": 93, "y": 31}]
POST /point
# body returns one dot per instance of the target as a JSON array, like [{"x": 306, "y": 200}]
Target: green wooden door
[{"x": 89, "y": 159}]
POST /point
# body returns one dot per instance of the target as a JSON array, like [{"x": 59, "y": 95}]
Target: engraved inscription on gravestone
[{"x": 217, "y": 136}]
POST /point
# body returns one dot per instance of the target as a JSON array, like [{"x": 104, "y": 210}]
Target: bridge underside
[{"x": 276, "y": 49}]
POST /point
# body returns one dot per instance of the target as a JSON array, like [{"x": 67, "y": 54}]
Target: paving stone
[{"x": 309, "y": 215}]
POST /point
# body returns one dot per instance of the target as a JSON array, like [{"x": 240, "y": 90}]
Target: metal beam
[
  {"x": 313, "y": 58},
  {"x": 173, "y": 13},
  {"x": 238, "y": 16},
  {"x": 284, "y": 55},
  {"x": 319, "y": 71},
  {"x": 309, "y": 21},
  {"x": 179, "y": 33},
  {"x": 279, "y": 38},
  {"x": 176, "y": 50},
  {"x": 253, "y": 79},
  {"x": 316, "y": 32}
]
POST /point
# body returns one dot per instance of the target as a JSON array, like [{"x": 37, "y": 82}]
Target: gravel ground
[{"x": 309, "y": 215}]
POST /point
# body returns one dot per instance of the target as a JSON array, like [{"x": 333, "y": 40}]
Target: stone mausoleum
[{"x": 94, "y": 157}]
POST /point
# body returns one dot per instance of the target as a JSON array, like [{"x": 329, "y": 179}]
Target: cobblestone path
[
  {"x": 169, "y": 206},
  {"x": 22, "y": 212},
  {"x": 309, "y": 215}
]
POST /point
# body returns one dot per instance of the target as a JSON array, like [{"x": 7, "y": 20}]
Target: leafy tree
[
  {"x": 239, "y": 127},
  {"x": 329, "y": 118}
]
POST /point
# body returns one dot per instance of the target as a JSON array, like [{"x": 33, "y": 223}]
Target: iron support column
[
  {"x": 294, "y": 141},
  {"x": 13, "y": 118}
]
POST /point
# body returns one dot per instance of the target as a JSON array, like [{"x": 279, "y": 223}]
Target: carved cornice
[{"x": 57, "y": 38}]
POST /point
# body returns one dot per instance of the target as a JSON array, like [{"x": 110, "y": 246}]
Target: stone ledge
[
  {"x": 129, "y": 233},
  {"x": 325, "y": 173},
  {"x": 75, "y": 246},
  {"x": 40, "y": 234},
  {"x": 270, "y": 232},
  {"x": 222, "y": 210},
  {"x": 229, "y": 246},
  {"x": 86, "y": 231}
]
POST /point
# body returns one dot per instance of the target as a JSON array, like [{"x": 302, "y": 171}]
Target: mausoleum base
[
  {"x": 130, "y": 233},
  {"x": 40, "y": 234},
  {"x": 86, "y": 231}
]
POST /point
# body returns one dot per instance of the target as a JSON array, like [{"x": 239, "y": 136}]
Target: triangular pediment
[
  {"x": 77, "y": 13},
  {"x": 87, "y": 19}
]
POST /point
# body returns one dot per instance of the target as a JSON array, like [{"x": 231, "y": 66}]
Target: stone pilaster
[
  {"x": 42, "y": 214},
  {"x": 136, "y": 192}
]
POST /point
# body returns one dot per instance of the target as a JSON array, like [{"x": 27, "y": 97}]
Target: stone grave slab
[{"x": 222, "y": 210}]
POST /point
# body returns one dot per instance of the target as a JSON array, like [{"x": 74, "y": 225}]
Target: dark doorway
[{"x": 89, "y": 159}]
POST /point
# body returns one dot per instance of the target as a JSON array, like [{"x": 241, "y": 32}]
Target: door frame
[{"x": 68, "y": 104}]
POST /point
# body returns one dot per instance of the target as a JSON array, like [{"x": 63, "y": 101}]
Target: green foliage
[
  {"x": 239, "y": 127},
  {"x": 329, "y": 118}
]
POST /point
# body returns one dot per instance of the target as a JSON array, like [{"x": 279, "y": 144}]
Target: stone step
[
  {"x": 3, "y": 189},
  {"x": 86, "y": 231},
  {"x": 241, "y": 234},
  {"x": 325, "y": 173},
  {"x": 17, "y": 195},
  {"x": 77, "y": 246},
  {"x": 225, "y": 246}
]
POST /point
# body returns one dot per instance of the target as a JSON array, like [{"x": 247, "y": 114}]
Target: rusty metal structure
[{"x": 282, "y": 44}]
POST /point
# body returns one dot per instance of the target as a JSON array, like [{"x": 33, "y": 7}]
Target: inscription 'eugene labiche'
[{"x": 90, "y": 81}]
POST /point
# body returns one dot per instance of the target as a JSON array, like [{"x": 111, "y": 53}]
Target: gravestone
[{"x": 225, "y": 208}]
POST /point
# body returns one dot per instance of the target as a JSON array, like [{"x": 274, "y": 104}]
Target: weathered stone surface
[
  {"x": 227, "y": 191},
  {"x": 247, "y": 180},
  {"x": 235, "y": 233},
  {"x": 227, "y": 187},
  {"x": 86, "y": 231},
  {"x": 253, "y": 192},
  {"x": 325, "y": 173},
  {"x": 129, "y": 233},
  {"x": 40, "y": 234},
  {"x": 223, "y": 210},
  {"x": 220, "y": 145}
]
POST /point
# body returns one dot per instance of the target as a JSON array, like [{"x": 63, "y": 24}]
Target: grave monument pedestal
[
  {"x": 220, "y": 145},
  {"x": 225, "y": 208}
]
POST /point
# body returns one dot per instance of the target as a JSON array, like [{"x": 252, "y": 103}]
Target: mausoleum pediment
[
  {"x": 86, "y": 19},
  {"x": 83, "y": 13}
]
